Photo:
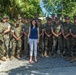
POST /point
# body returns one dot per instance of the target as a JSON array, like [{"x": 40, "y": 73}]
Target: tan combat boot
[
  {"x": 18, "y": 57},
  {"x": 11, "y": 57},
  {"x": 41, "y": 55},
  {"x": 3, "y": 59},
  {"x": 45, "y": 53},
  {"x": 7, "y": 56}
]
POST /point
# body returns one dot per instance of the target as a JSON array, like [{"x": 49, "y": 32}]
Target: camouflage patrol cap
[
  {"x": 17, "y": 23},
  {"x": 4, "y": 16},
  {"x": 53, "y": 15},
  {"x": 49, "y": 19},
  {"x": 19, "y": 17},
  {"x": 67, "y": 18},
  {"x": 74, "y": 16},
  {"x": 39, "y": 20},
  {"x": 58, "y": 15},
  {"x": 56, "y": 19}
]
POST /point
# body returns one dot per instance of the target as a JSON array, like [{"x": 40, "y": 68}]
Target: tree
[
  {"x": 69, "y": 7},
  {"x": 23, "y": 7}
]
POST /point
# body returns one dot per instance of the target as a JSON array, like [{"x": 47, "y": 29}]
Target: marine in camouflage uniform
[
  {"x": 73, "y": 34},
  {"x": 17, "y": 34},
  {"x": 1, "y": 44},
  {"x": 12, "y": 42},
  {"x": 57, "y": 39},
  {"x": 61, "y": 22},
  {"x": 48, "y": 38},
  {"x": 26, "y": 30},
  {"x": 6, "y": 28},
  {"x": 21, "y": 24},
  {"x": 40, "y": 44},
  {"x": 67, "y": 38}
]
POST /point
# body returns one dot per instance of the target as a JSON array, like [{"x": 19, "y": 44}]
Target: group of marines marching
[{"x": 56, "y": 37}]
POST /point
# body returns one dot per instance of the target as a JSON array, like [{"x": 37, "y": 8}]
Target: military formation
[{"x": 56, "y": 36}]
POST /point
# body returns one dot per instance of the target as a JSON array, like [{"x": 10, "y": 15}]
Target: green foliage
[
  {"x": 69, "y": 7},
  {"x": 23, "y": 7}
]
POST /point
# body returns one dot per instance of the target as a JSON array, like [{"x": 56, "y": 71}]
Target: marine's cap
[
  {"x": 49, "y": 19},
  {"x": 39, "y": 20},
  {"x": 4, "y": 17},
  {"x": 53, "y": 15},
  {"x": 17, "y": 23},
  {"x": 74, "y": 16},
  {"x": 58, "y": 15},
  {"x": 56, "y": 19},
  {"x": 67, "y": 18},
  {"x": 19, "y": 17}
]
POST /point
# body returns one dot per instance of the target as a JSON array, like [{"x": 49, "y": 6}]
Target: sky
[
  {"x": 42, "y": 7},
  {"x": 44, "y": 10}
]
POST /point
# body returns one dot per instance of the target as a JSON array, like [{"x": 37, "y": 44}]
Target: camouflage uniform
[
  {"x": 47, "y": 41},
  {"x": 67, "y": 42},
  {"x": 1, "y": 42},
  {"x": 22, "y": 38},
  {"x": 57, "y": 41},
  {"x": 18, "y": 32},
  {"x": 6, "y": 37},
  {"x": 41, "y": 40},
  {"x": 13, "y": 42},
  {"x": 73, "y": 29},
  {"x": 26, "y": 46}
]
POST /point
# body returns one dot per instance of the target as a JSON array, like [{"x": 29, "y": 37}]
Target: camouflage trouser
[
  {"x": 40, "y": 45},
  {"x": 1, "y": 49},
  {"x": 47, "y": 45},
  {"x": 26, "y": 46},
  {"x": 19, "y": 46},
  {"x": 50, "y": 42},
  {"x": 62, "y": 51},
  {"x": 67, "y": 46},
  {"x": 6, "y": 45},
  {"x": 57, "y": 44},
  {"x": 13, "y": 46},
  {"x": 73, "y": 46}
]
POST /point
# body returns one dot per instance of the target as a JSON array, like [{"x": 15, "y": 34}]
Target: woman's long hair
[{"x": 35, "y": 24}]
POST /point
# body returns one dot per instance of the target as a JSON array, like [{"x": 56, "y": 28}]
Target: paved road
[{"x": 45, "y": 66}]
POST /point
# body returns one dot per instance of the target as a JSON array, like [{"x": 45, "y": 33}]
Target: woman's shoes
[
  {"x": 30, "y": 61},
  {"x": 36, "y": 61}
]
